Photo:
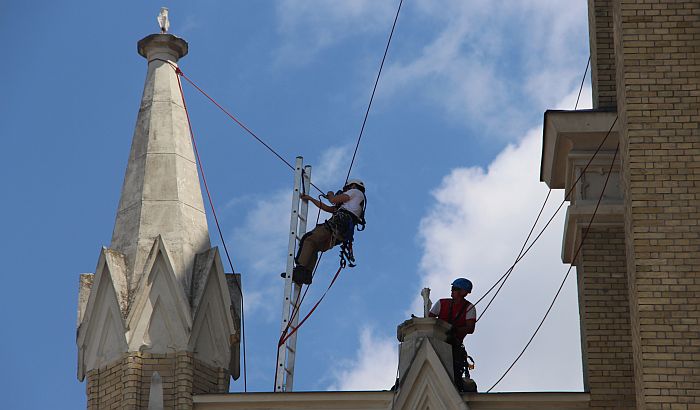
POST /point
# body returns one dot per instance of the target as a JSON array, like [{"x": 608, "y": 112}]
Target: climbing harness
[{"x": 346, "y": 254}]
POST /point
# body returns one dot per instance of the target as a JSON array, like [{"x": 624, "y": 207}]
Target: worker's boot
[
  {"x": 468, "y": 385},
  {"x": 301, "y": 275}
]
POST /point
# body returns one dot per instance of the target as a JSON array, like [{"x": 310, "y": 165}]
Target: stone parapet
[{"x": 412, "y": 333}]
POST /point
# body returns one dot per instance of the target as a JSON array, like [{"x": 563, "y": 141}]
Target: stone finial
[
  {"x": 163, "y": 20},
  {"x": 427, "y": 304}
]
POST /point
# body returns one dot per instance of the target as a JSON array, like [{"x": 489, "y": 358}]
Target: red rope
[
  {"x": 294, "y": 329},
  {"x": 237, "y": 121},
  {"x": 213, "y": 211},
  {"x": 248, "y": 130},
  {"x": 284, "y": 336},
  {"x": 234, "y": 118}
]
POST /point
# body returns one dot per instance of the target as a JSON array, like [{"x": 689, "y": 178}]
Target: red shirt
[{"x": 455, "y": 312}]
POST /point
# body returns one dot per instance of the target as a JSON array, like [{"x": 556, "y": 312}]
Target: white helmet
[{"x": 356, "y": 182}]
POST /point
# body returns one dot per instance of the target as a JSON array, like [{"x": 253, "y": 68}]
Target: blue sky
[{"x": 450, "y": 157}]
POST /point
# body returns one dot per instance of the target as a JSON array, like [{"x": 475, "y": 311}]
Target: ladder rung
[
  {"x": 290, "y": 349},
  {"x": 303, "y": 218},
  {"x": 287, "y": 370}
]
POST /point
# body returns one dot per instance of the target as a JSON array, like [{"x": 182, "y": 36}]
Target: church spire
[
  {"x": 159, "y": 298},
  {"x": 161, "y": 193}
]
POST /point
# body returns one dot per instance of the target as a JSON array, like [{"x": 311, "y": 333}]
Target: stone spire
[
  {"x": 161, "y": 193},
  {"x": 159, "y": 298}
]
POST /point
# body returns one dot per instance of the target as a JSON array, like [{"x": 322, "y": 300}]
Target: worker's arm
[
  {"x": 470, "y": 323},
  {"x": 467, "y": 329},
  {"x": 435, "y": 310},
  {"x": 469, "y": 326},
  {"x": 318, "y": 203},
  {"x": 337, "y": 199}
]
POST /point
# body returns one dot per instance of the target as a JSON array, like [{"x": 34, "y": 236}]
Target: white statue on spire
[{"x": 163, "y": 20}]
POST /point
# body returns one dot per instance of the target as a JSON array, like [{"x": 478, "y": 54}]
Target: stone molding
[
  {"x": 413, "y": 333},
  {"x": 564, "y": 131},
  {"x": 578, "y": 217},
  {"x": 569, "y": 142},
  {"x": 159, "y": 318},
  {"x": 427, "y": 384},
  {"x": 101, "y": 329},
  {"x": 154, "y": 44}
]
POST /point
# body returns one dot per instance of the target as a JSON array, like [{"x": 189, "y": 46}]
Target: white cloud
[
  {"x": 374, "y": 367},
  {"x": 309, "y": 26},
  {"x": 332, "y": 167},
  {"x": 485, "y": 64},
  {"x": 476, "y": 58},
  {"x": 261, "y": 242},
  {"x": 190, "y": 24},
  {"x": 475, "y": 228},
  {"x": 489, "y": 54}
]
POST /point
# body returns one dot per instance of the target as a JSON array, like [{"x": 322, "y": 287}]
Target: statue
[
  {"x": 427, "y": 304},
  {"x": 163, "y": 20}
]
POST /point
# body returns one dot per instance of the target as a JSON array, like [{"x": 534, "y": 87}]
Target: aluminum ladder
[{"x": 297, "y": 228}]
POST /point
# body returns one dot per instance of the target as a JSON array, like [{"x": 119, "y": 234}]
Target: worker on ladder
[
  {"x": 348, "y": 209},
  {"x": 461, "y": 314}
]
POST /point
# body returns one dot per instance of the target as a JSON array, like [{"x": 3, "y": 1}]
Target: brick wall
[
  {"x": 125, "y": 384},
  {"x": 605, "y": 326},
  {"x": 658, "y": 75},
  {"x": 600, "y": 23}
]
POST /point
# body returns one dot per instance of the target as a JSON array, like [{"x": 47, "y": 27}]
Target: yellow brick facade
[
  {"x": 125, "y": 384},
  {"x": 639, "y": 281},
  {"x": 658, "y": 76},
  {"x": 603, "y": 80},
  {"x": 605, "y": 324}
]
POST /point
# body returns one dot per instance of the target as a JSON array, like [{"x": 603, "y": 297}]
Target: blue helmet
[{"x": 464, "y": 284}]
